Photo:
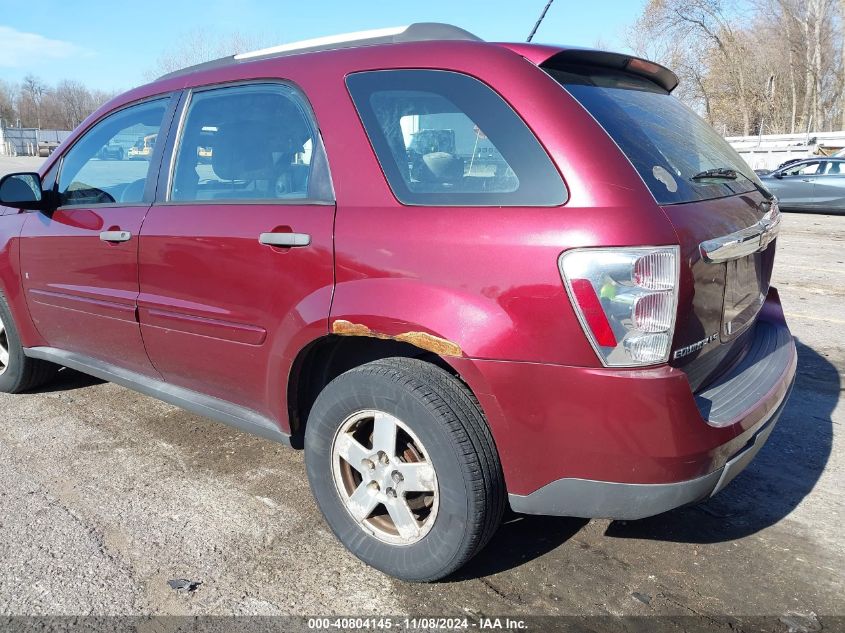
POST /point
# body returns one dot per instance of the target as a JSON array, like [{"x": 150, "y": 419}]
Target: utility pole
[
  {"x": 769, "y": 94},
  {"x": 540, "y": 19}
]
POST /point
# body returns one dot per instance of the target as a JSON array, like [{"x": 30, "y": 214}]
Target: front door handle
[
  {"x": 115, "y": 236},
  {"x": 285, "y": 240}
]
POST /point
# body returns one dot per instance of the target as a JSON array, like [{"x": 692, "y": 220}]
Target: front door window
[{"x": 89, "y": 178}]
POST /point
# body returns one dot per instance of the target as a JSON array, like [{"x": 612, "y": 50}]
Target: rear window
[
  {"x": 667, "y": 143},
  {"x": 443, "y": 138}
]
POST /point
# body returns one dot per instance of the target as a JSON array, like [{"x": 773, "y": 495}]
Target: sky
[{"x": 114, "y": 45}]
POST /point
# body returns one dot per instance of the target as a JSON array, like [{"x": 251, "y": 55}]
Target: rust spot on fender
[{"x": 423, "y": 340}]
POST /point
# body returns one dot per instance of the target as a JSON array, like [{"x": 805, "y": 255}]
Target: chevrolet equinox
[{"x": 460, "y": 274}]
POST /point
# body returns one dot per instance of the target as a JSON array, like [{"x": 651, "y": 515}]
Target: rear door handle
[
  {"x": 285, "y": 240},
  {"x": 115, "y": 236}
]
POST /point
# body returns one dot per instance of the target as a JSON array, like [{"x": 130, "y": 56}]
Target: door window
[
  {"x": 250, "y": 142},
  {"x": 833, "y": 168},
  {"x": 804, "y": 169},
  {"x": 88, "y": 178},
  {"x": 443, "y": 138}
]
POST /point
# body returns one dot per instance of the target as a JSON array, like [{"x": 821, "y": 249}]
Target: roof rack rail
[{"x": 417, "y": 32}]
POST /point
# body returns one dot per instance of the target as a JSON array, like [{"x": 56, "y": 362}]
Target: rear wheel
[
  {"x": 18, "y": 372},
  {"x": 404, "y": 468}
]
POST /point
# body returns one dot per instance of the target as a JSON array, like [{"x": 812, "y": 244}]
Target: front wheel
[
  {"x": 404, "y": 468},
  {"x": 17, "y": 371}
]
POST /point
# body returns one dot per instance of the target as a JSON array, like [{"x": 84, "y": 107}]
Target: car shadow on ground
[
  {"x": 519, "y": 540},
  {"x": 68, "y": 380},
  {"x": 784, "y": 472}
]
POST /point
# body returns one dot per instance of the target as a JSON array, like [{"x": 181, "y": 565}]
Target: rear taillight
[{"x": 626, "y": 300}]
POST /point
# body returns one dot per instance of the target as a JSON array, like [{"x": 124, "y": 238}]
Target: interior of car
[{"x": 243, "y": 143}]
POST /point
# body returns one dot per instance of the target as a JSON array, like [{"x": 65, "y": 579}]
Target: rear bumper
[
  {"x": 591, "y": 499},
  {"x": 628, "y": 444}
]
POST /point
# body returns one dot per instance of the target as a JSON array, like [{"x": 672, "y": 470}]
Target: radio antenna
[{"x": 540, "y": 19}]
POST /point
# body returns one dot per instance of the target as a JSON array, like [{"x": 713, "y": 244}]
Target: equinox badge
[{"x": 689, "y": 349}]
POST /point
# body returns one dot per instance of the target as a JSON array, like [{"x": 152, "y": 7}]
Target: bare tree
[
  {"x": 8, "y": 112},
  {"x": 74, "y": 102},
  {"x": 202, "y": 45},
  {"x": 34, "y": 90},
  {"x": 842, "y": 67},
  {"x": 751, "y": 65}
]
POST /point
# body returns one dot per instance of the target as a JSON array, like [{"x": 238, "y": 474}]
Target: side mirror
[
  {"x": 22, "y": 191},
  {"x": 778, "y": 175}
]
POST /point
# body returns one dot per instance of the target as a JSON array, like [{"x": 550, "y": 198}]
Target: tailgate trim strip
[{"x": 743, "y": 242}]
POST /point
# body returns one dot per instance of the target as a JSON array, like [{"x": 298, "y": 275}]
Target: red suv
[{"x": 460, "y": 274}]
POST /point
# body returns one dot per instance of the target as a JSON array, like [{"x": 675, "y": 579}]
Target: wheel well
[{"x": 327, "y": 358}]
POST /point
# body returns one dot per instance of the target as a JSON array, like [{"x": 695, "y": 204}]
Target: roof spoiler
[{"x": 656, "y": 73}]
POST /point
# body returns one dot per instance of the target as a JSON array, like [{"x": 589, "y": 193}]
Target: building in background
[
  {"x": 771, "y": 150},
  {"x": 30, "y": 141}
]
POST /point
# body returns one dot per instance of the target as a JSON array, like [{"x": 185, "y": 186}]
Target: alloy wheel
[
  {"x": 4, "y": 348},
  {"x": 384, "y": 477}
]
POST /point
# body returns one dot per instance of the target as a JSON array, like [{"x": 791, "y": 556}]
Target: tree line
[
  {"x": 33, "y": 103},
  {"x": 748, "y": 66}
]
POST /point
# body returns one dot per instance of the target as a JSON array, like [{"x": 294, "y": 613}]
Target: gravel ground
[{"x": 105, "y": 495}]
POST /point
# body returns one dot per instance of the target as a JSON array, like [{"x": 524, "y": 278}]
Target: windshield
[{"x": 668, "y": 144}]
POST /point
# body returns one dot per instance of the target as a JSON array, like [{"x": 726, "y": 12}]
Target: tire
[
  {"x": 450, "y": 478},
  {"x": 18, "y": 373}
]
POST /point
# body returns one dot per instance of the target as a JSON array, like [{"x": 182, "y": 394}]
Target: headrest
[
  {"x": 441, "y": 167},
  {"x": 242, "y": 151}
]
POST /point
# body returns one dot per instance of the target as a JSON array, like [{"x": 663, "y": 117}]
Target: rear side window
[
  {"x": 833, "y": 168},
  {"x": 447, "y": 139},
  {"x": 250, "y": 142}
]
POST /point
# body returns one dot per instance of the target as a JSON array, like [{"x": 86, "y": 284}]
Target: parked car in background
[
  {"x": 812, "y": 184},
  {"x": 45, "y": 148},
  {"x": 762, "y": 172},
  {"x": 204, "y": 154},
  {"x": 112, "y": 151},
  {"x": 584, "y": 326},
  {"x": 143, "y": 148}
]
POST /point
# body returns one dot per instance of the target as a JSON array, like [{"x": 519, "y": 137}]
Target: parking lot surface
[{"x": 105, "y": 495}]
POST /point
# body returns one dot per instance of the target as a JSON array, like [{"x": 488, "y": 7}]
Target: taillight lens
[{"x": 626, "y": 300}]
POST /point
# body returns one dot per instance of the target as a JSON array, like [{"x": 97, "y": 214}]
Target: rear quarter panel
[{"x": 483, "y": 278}]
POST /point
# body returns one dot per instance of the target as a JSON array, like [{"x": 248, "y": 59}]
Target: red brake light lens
[
  {"x": 593, "y": 313},
  {"x": 626, "y": 300}
]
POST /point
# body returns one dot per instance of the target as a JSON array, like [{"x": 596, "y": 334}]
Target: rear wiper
[
  {"x": 718, "y": 172},
  {"x": 726, "y": 173}
]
